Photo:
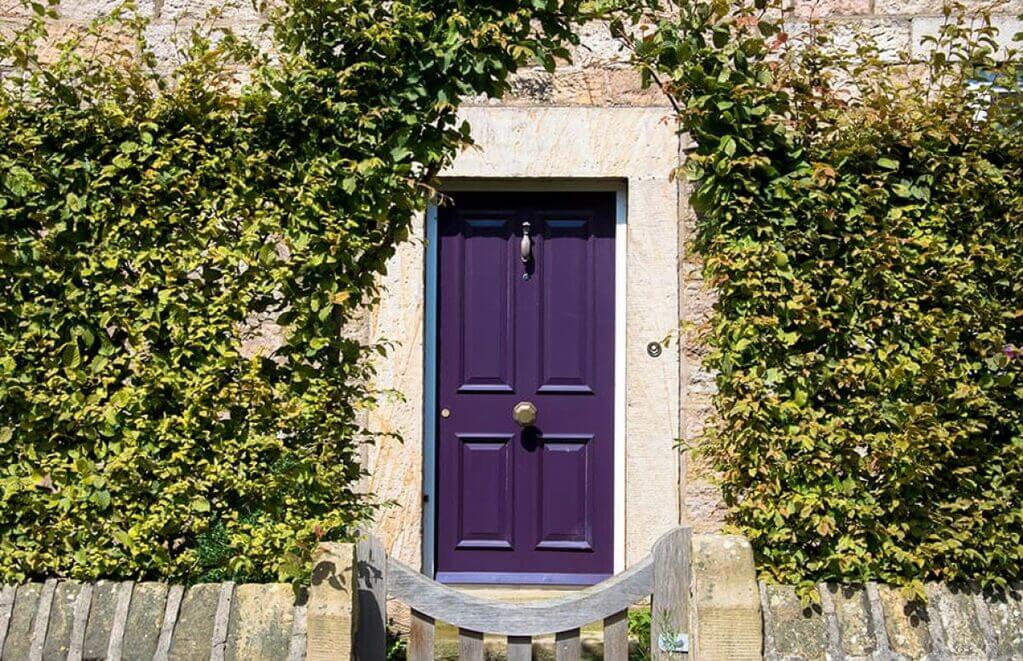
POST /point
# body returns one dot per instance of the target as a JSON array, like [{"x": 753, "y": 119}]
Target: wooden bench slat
[
  {"x": 420, "y": 637},
  {"x": 520, "y": 648},
  {"x": 616, "y": 637},
  {"x": 470, "y": 645},
  {"x": 465, "y": 611},
  {"x": 567, "y": 646}
]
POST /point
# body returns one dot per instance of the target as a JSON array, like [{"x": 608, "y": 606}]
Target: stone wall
[
  {"x": 877, "y": 622},
  {"x": 732, "y": 617},
  {"x": 598, "y": 77},
  {"x": 115, "y": 620}
]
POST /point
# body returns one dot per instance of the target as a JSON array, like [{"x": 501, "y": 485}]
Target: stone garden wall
[
  {"x": 600, "y": 77},
  {"x": 877, "y": 622},
  {"x": 731, "y": 618},
  {"x": 110, "y": 620},
  {"x": 126, "y": 620}
]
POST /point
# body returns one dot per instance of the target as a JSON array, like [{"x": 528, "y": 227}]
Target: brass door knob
[{"x": 524, "y": 413}]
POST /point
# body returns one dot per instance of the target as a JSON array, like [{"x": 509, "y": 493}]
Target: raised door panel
[
  {"x": 485, "y": 490},
  {"x": 565, "y": 519},
  {"x": 487, "y": 298},
  {"x": 567, "y": 307}
]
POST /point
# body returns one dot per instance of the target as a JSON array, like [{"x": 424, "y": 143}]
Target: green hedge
[
  {"x": 862, "y": 222},
  {"x": 180, "y": 253}
]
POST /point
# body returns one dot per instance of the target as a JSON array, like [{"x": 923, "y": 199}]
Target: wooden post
[
  {"x": 331, "y": 612},
  {"x": 371, "y": 579},
  {"x": 669, "y": 614}
]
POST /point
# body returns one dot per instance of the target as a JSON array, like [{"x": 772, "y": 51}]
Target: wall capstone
[{"x": 877, "y": 622}]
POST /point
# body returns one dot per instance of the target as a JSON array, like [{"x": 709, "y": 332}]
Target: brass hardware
[
  {"x": 445, "y": 413},
  {"x": 524, "y": 414}
]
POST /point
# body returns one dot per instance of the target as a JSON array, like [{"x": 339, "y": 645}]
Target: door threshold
[
  {"x": 524, "y": 579},
  {"x": 516, "y": 593}
]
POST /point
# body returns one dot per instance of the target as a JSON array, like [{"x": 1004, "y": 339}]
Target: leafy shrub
[
  {"x": 639, "y": 631},
  {"x": 180, "y": 254},
  {"x": 861, "y": 217}
]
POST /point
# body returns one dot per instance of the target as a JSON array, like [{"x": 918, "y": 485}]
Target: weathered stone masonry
[
  {"x": 731, "y": 617},
  {"x": 598, "y": 81},
  {"x": 126, "y": 620},
  {"x": 877, "y": 622}
]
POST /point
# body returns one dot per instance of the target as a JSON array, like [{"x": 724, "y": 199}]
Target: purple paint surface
[{"x": 534, "y": 504}]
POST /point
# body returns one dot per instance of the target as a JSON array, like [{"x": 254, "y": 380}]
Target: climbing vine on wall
[
  {"x": 861, "y": 219},
  {"x": 182, "y": 248}
]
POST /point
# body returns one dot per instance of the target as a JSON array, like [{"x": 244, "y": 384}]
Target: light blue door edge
[{"x": 430, "y": 394}]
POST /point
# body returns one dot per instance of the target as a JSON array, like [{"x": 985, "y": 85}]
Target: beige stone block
[
  {"x": 791, "y": 629},
  {"x": 577, "y": 143},
  {"x": 602, "y": 86},
  {"x": 78, "y": 11},
  {"x": 231, "y": 12},
  {"x": 395, "y": 462},
  {"x": 261, "y": 622},
  {"x": 698, "y": 300},
  {"x": 725, "y": 607},
  {"x": 167, "y": 38},
  {"x": 889, "y": 35},
  {"x": 855, "y": 625},
  {"x": 957, "y": 617},
  {"x": 936, "y": 7},
  {"x": 828, "y": 8},
  {"x": 691, "y": 267},
  {"x": 652, "y": 400},
  {"x": 1006, "y": 609},
  {"x": 924, "y": 27},
  {"x": 598, "y": 47},
  {"x": 530, "y": 86},
  {"x": 697, "y": 415},
  {"x": 705, "y": 510},
  {"x": 701, "y": 382},
  {"x": 905, "y": 623},
  {"x": 330, "y": 614},
  {"x": 63, "y": 30}
]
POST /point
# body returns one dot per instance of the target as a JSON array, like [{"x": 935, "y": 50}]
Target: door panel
[
  {"x": 527, "y": 504},
  {"x": 567, "y": 307},
  {"x": 487, "y": 301},
  {"x": 566, "y": 508},
  {"x": 485, "y": 497}
]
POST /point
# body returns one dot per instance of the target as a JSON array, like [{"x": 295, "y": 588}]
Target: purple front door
[{"x": 525, "y": 322}]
